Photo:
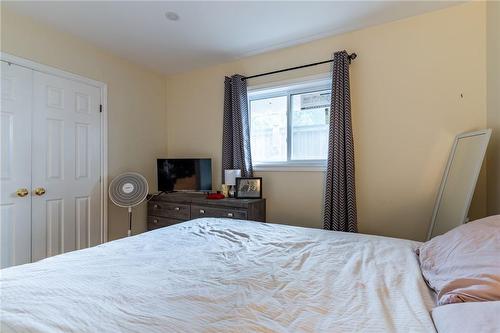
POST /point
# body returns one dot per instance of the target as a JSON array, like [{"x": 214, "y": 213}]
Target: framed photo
[{"x": 249, "y": 187}]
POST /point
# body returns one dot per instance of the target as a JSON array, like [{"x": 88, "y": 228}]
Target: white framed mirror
[{"x": 459, "y": 181}]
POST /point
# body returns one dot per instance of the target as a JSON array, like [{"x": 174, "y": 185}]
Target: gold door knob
[
  {"x": 22, "y": 192},
  {"x": 39, "y": 191}
]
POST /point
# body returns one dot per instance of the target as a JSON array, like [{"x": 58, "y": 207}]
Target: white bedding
[{"x": 218, "y": 275}]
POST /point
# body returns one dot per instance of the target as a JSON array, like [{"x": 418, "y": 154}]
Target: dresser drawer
[
  {"x": 202, "y": 211},
  {"x": 155, "y": 222},
  {"x": 166, "y": 209}
]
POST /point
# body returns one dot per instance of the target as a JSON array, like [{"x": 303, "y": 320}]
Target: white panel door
[
  {"x": 15, "y": 165},
  {"x": 66, "y": 166}
]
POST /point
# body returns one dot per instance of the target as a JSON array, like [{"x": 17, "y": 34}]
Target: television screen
[{"x": 184, "y": 174}]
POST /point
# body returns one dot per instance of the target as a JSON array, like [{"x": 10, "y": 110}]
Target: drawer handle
[
  {"x": 155, "y": 221},
  {"x": 177, "y": 208},
  {"x": 156, "y": 206},
  {"x": 202, "y": 211},
  {"x": 230, "y": 214}
]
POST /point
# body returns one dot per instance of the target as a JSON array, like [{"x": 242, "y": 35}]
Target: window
[{"x": 289, "y": 125}]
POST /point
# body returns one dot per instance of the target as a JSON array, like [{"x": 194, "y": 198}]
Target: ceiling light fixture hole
[{"x": 172, "y": 16}]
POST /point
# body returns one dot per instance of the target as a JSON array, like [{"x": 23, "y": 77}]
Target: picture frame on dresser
[{"x": 248, "y": 187}]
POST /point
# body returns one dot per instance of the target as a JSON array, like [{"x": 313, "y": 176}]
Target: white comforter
[{"x": 217, "y": 275}]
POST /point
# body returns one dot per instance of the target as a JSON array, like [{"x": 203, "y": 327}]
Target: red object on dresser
[{"x": 215, "y": 196}]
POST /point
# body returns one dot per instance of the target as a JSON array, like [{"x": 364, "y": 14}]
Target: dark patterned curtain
[
  {"x": 236, "y": 127},
  {"x": 340, "y": 192}
]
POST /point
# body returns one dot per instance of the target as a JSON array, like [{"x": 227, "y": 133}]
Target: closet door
[
  {"x": 66, "y": 166},
  {"x": 15, "y": 165}
]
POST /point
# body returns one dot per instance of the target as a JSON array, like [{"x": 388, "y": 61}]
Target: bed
[{"x": 219, "y": 275}]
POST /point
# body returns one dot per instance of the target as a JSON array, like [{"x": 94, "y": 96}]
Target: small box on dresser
[{"x": 172, "y": 208}]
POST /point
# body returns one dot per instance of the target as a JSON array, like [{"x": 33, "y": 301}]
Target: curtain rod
[{"x": 351, "y": 57}]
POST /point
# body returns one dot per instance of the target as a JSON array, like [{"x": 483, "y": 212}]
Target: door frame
[{"x": 103, "y": 87}]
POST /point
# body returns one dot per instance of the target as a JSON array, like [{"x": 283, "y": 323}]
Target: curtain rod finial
[{"x": 353, "y": 56}]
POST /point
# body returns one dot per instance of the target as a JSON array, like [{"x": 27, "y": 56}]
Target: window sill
[{"x": 290, "y": 167}]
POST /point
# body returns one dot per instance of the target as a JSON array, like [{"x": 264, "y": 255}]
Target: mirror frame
[{"x": 486, "y": 132}]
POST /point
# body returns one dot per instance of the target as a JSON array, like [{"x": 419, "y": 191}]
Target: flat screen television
[{"x": 184, "y": 174}]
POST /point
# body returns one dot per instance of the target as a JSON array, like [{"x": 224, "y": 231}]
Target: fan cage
[{"x": 120, "y": 186}]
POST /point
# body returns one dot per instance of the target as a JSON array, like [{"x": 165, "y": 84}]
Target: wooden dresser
[{"x": 172, "y": 208}]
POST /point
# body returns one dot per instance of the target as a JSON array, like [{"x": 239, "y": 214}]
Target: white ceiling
[{"x": 210, "y": 33}]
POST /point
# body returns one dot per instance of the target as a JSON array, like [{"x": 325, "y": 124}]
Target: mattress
[{"x": 220, "y": 275}]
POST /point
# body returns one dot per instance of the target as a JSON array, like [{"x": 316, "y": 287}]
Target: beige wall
[
  {"x": 493, "y": 118},
  {"x": 407, "y": 107},
  {"x": 406, "y": 86},
  {"x": 136, "y": 99}
]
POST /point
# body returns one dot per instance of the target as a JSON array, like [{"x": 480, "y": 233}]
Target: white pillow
[
  {"x": 463, "y": 265},
  {"x": 473, "y": 317}
]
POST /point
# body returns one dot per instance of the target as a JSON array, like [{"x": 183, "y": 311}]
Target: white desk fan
[{"x": 128, "y": 190}]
